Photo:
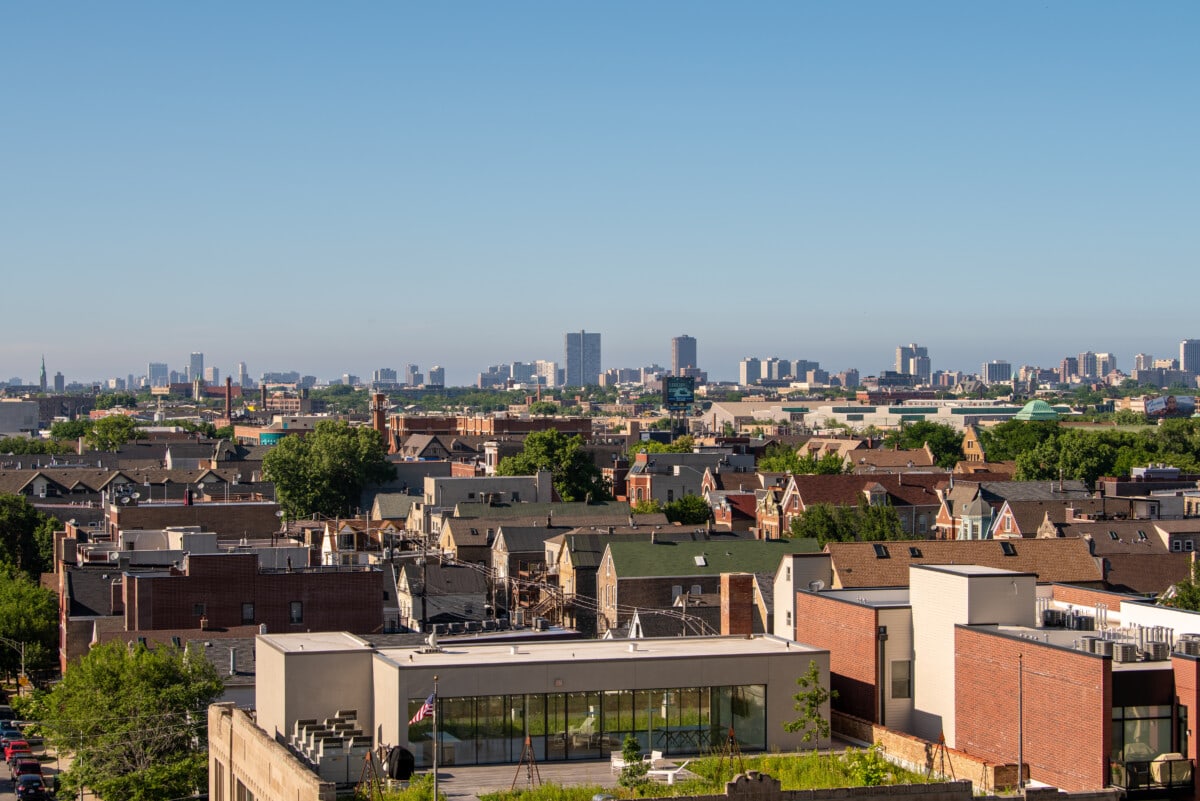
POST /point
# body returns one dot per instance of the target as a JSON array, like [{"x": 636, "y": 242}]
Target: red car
[
  {"x": 14, "y": 745},
  {"x": 23, "y": 767}
]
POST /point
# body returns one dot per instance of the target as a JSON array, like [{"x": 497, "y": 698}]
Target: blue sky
[{"x": 340, "y": 187}]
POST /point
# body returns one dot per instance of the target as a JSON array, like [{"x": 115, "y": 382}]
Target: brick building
[{"x": 229, "y": 590}]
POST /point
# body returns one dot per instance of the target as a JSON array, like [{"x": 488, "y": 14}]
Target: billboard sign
[
  {"x": 679, "y": 392},
  {"x": 1171, "y": 406}
]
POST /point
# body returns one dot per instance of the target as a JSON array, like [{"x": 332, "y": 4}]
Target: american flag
[{"x": 425, "y": 710}]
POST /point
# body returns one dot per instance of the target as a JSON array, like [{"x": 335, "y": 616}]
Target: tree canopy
[
  {"x": 576, "y": 476},
  {"x": 326, "y": 471},
  {"x": 110, "y": 433},
  {"x": 682, "y": 444},
  {"x": 864, "y": 523},
  {"x": 29, "y": 615},
  {"x": 134, "y": 719},
  {"x": 780, "y": 458},
  {"x": 943, "y": 440},
  {"x": 690, "y": 510},
  {"x": 1187, "y": 592},
  {"x": 26, "y": 536}
]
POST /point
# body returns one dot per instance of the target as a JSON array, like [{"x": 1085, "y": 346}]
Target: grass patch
[{"x": 853, "y": 768}]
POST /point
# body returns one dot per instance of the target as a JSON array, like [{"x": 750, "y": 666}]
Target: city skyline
[{"x": 811, "y": 181}]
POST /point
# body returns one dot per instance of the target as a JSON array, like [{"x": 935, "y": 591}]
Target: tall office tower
[
  {"x": 212, "y": 375},
  {"x": 437, "y": 376},
  {"x": 776, "y": 369},
  {"x": 1143, "y": 361},
  {"x": 195, "y": 366},
  {"x": 800, "y": 367},
  {"x": 1087, "y": 365},
  {"x": 1068, "y": 369},
  {"x": 157, "y": 374},
  {"x": 1105, "y": 364},
  {"x": 60, "y": 383},
  {"x": 913, "y": 359},
  {"x": 547, "y": 372},
  {"x": 997, "y": 371},
  {"x": 582, "y": 357},
  {"x": 243, "y": 376},
  {"x": 384, "y": 375},
  {"x": 683, "y": 353},
  {"x": 1189, "y": 356},
  {"x": 412, "y": 376},
  {"x": 749, "y": 371},
  {"x": 521, "y": 372}
]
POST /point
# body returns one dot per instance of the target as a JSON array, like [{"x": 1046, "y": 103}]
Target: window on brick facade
[
  {"x": 197, "y": 610},
  {"x": 296, "y": 612},
  {"x": 247, "y": 613},
  {"x": 902, "y": 678}
]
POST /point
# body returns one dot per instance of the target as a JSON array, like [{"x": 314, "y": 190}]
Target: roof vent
[{"x": 701, "y": 560}]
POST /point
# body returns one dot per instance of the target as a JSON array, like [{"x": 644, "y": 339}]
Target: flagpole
[{"x": 435, "y": 738}]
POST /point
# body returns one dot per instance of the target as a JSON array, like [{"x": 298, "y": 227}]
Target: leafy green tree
[
  {"x": 22, "y": 446},
  {"x": 682, "y": 444},
  {"x": 29, "y": 615},
  {"x": 809, "y": 701},
  {"x": 134, "y": 720},
  {"x": 26, "y": 536},
  {"x": 635, "y": 770},
  {"x": 1187, "y": 592},
  {"x": 690, "y": 510},
  {"x": 576, "y": 476},
  {"x": 543, "y": 408},
  {"x": 879, "y": 523},
  {"x": 110, "y": 433},
  {"x": 780, "y": 458},
  {"x": 110, "y": 400},
  {"x": 824, "y": 523},
  {"x": 70, "y": 429},
  {"x": 326, "y": 471},
  {"x": 943, "y": 440},
  {"x": 1004, "y": 442},
  {"x": 647, "y": 506},
  {"x": 661, "y": 424}
]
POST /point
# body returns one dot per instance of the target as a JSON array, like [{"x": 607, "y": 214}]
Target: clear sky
[{"x": 333, "y": 187}]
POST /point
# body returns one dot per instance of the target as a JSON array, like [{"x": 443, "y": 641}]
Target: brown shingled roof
[{"x": 1062, "y": 561}]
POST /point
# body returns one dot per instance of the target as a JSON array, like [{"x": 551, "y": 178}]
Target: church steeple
[{"x": 43, "y": 379}]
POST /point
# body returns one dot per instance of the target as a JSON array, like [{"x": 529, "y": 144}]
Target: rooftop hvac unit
[
  {"x": 1189, "y": 647},
  {"x": 1157, "y": 651},
  {"x": 1052, "y": 618},
  {"x": 1191, "y": 635},
  {"x": 1103, "y": 647},
  {"x": 1125, "y": 652},
  {"x": 1088, "y": 644}
]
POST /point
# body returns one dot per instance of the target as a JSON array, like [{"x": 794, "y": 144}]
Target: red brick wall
[
  {"x": 848, "y": 631},
  {"x": 1187, "y": 690},
  {"x": 737, "y": 603},
  {"x": 1082, "y": 596},
  {"x": 334, "y": 600},
  {"x": 1067, "y": 707},
  {"x": 228, "y": 520}
]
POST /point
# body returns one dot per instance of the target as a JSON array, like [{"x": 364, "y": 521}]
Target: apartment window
[
  {"x": 197, "y": 610},
  {"x": 1188, "y": 545},
  {"x": 296, "y": 612},
  {"x": 787, "y": 574},
  {"x": 789, "y": 620},
  {"x": 676, "y": 591},
  {"x": 247, "y": 614},
  {"x": 516, "y": 497},
  {"x": 1176, "y": 545},
  {"x": 902, "y": 678},
  {"x": 670, "y": 495}
]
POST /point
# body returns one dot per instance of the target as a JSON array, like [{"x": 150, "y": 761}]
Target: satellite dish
[
  {"x": 136, "y": 495},
  {"x": 432, "y": 640},
  {"x": 816, "y": 586},
  {"x": 124, "y": 499}
]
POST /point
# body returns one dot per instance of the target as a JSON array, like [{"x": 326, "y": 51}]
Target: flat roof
[
  {"x": 315, "y": 642},
  {"x": 882, "y": 597},
  {"x": 460, "y": 655},
  {"x": 972, "y": 570}
]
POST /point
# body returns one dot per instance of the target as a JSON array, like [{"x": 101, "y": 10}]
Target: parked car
[
  {"x": 14, "y": 745},
  {"x": 25, "y": 765},
  {"x": 31, "y": 787},
  {"x": 9, "y": 727},
  {"x": 6, "y": 712}
]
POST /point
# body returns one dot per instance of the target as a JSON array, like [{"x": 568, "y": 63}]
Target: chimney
[
  {"x": 233, "y": 661},
  {"x": 228, "y": 399},
  {"x": 737, "y": 604},
  {"x": 262, "y": 397}
]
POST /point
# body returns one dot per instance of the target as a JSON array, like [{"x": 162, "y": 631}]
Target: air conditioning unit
[{"x": 1125, "y": 652}]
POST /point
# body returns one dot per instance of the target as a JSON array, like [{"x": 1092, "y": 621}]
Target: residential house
[
  {"x": 437, "y": 591},
  {"x": 967, "y": 508},
  {"x": 913, "y": 496},
  {"x": 666, "y": 477}
]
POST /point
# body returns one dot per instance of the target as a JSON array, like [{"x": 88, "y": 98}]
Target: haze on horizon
[{"x": 336, "y": 189}]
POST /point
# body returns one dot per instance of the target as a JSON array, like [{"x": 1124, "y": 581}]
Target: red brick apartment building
[{"x": 1064, "y": 676}]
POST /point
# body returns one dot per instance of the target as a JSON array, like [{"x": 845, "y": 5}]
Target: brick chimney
[
  {"x": 228, "y": 399},
  {"x": 737, "y": 604}
]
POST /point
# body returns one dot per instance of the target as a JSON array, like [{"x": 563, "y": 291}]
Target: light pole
[{"x": 19, "y": 647}]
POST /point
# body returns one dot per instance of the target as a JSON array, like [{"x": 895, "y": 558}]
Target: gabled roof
[
  {"x": 568, "y": 514},
  {"x": 392, "y": 505},
  {"x": 1062, "y": 561},
  {"x": 670, "y": 559},
  {"x": 586, "y": 548},
  {"x": 525, "y": 539},
  {"x": 1029, "y": 515},
  {"x": 903, "y": 489},
  {"x": 444, "y": 578}
]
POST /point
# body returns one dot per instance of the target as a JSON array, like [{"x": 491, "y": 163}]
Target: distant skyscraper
[
  {"x": 1105, "y": 364},
  {"x": 195, "y": 366},
  {"x": 1189, "y": 355},
  {"x": 437, "y": 376},
  {"x": 913, "y": 359},
  {"x": 60, "y": 383},
  {"x": 749, "y": 371},
  {"x": 997, "y": 371},
  {"x": 243, "y": 376},
  {"x": 413, "y": 376},
  {"x": 582, "y": 352},
  {"x": 157, "y": 374},
  {"x": 1087, "y": 365},
  {"x": 683, "y": 353},
  {"x": 547, "y": 372},
  {"x": 521, "y": 372},
  {"x": 212, "y": 375},
  {"x": 1143, "y": 361}
]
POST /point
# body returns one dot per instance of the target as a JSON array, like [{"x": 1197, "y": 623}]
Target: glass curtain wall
[{"x": 479, "y": 730}]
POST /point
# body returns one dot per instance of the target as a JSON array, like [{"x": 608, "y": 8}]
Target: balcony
[{"x": 1165, "y": 776}]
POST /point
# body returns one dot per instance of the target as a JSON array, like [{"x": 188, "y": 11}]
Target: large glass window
[
  {"x": 589, "y": 725},
  {"x": 1140, "y": 733}
]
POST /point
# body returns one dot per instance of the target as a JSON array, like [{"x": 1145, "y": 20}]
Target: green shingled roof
[{"x": 645, "y": 559}]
